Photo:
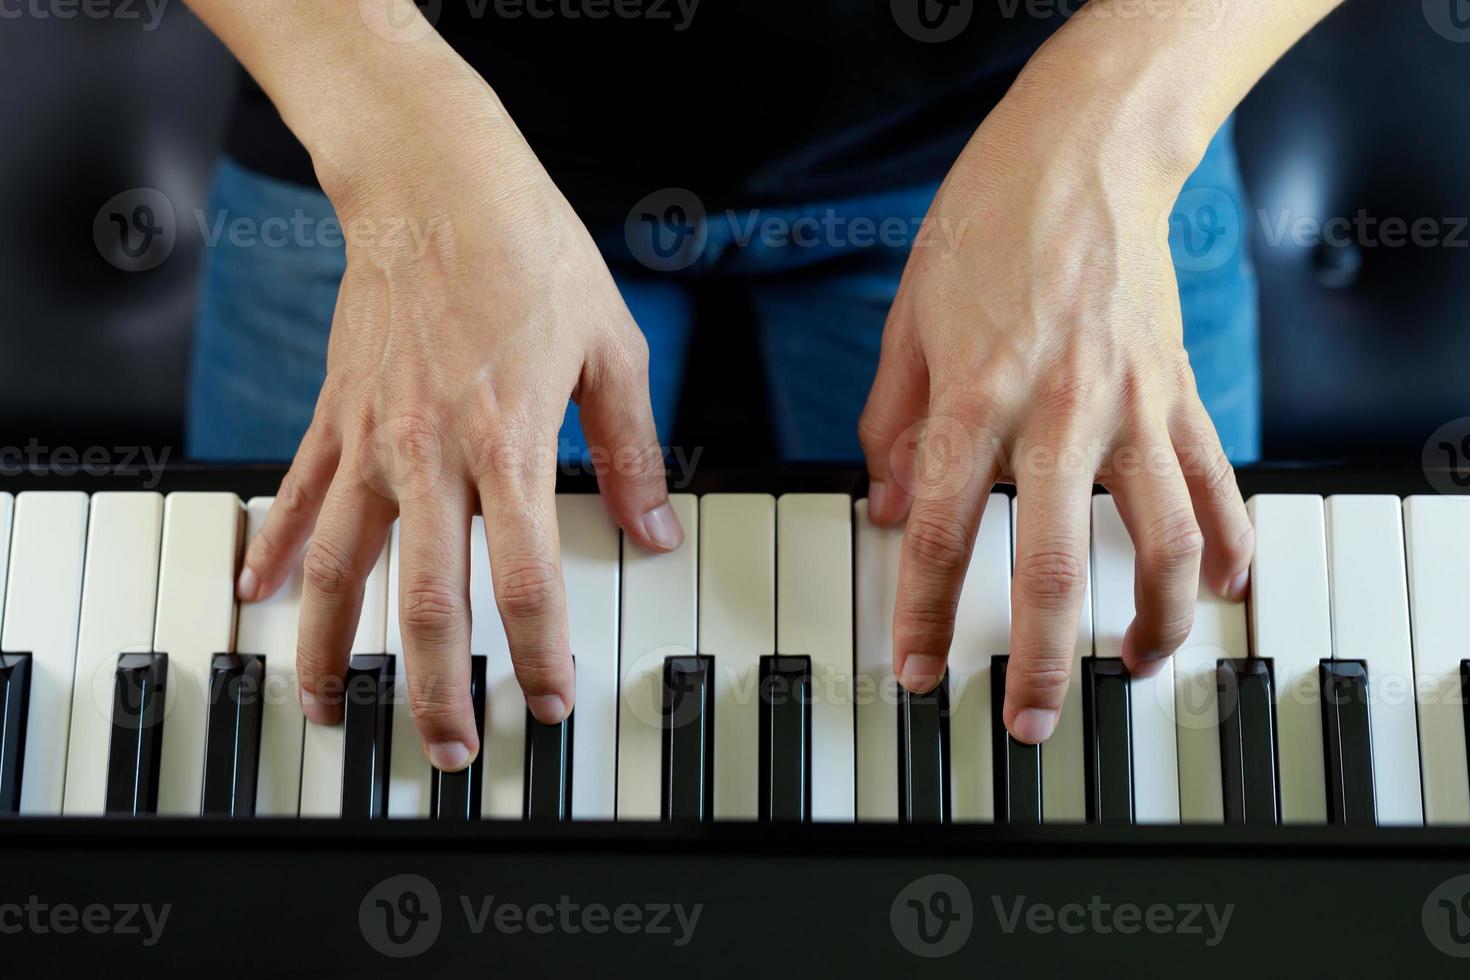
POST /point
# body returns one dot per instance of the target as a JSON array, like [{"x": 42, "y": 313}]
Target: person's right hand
[{"x": 473, "y": 306}]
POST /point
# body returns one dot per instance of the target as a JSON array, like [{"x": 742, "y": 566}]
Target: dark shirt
[{"x": 746, "y": 102}]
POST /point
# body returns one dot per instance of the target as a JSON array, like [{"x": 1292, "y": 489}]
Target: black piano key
[
  {"x": 1108, "y": 729},
  {"x": 923, "y": 756},
  {"x": 1248, "y": 768},
  {"x": 232, "y": 734},
  {"x": 368, "y": 736},
  {"x": 688, "y": 788},
  {"x": 785, "y": 738},
  {"x": 1347, "y": 743},
  {"x": 456, "y": 795},
  {"x": 15, "y": 695},
  {"x": 548, "y": 791},
  {"x": 1465, "y": 699},
  {"x": 138, "y": 691},
  {"x": 1017, "y": 765}
]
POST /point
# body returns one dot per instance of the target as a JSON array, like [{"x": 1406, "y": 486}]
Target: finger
[
  {"x": 1230, "y": 540},
  {"x": 349, "y": 538},
  {"x": 1053, "y": 524},
  {"x": 434, "y": 617},
  {"x": 937, "y": 544},
  {"x": 896, "y": 404},
  {"x": 617, "y": 418},
  {"x": 1155, "y": 507},
  {"x": 277, "y": 545},
  {"x": 519, "y": 505}
]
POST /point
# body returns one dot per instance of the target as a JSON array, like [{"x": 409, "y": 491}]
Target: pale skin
[{"x": 1035, "y": 339}]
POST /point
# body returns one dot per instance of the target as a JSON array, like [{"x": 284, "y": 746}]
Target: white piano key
[
  {"x": 1063, "y": 756},
  {"x": 1155, "y": 750},
  {"x": 1219, "y": 633},
  {"x": 42, "y": 602},
  {"x": 321, "y": 748},
  {"x": 737, "y": 626},
  {"x": 1291, "y": 623},
  {"x": 590, "y": 565},
  {"x": 409, "y": 771},
  {"x": 1370, "y": 622},
  {"x": 119, "y": 592},
  {"x": 268, "y": 628},
  {"x": 7, "y": 508},
  {"x": 876, "y": 564},
  {"x": 503, "y": 771},
  {"x": 659, "y": 620},
  {"x": 195, "y": 620},
  {"x": 982, "y": 630},
  {"x": 1437, "y": 530},
  {"x": 814, "y": 619}
]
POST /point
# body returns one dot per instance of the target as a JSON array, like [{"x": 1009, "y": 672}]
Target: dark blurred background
[{"x": 1364, "y": 343}]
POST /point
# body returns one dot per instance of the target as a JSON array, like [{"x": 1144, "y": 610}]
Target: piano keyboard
[{"x": 745, "y": 676}]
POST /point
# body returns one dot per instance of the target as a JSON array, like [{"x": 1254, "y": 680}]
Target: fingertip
[
  {"x": 921, "y": 673},
  {"x": 661, "y": 528},
  {"x": 548, "y": 709},
  {"x": 886, "y": 504},
  {"x": 1235, "y": 590},
  {"x": 451, "y": 756},
  {"x": 247, "y": 587},
  {"x": 317, "y": 711},
  {"x": 1033, "y": 726}
]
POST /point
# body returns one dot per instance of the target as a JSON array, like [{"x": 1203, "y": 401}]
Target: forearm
[
  {"x": 1149, "y": 82},
  {"x": 357, "y": 94}
]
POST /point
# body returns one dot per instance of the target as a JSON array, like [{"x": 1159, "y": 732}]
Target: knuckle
[
  {"x": 1041, "y": 678},
  {"x": 526, "y": 588},
  {"x": 1051, "y": 577},
  {"x": 938, "y": 543},
  {"x": 328, "y": 569},
  {"x": 873, "y": 432},
  {"x": 1173, "y": 542},
  {"x": 430, "y": 610}
]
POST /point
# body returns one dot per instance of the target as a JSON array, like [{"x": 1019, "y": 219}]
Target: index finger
[
  {"x": 1047, "y": 590},
  {"x": 519, "y": 504}
]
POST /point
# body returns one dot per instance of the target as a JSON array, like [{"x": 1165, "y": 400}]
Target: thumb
[
  {"x": 889, "y": 426},
  {"x": 617, "y": 418}
]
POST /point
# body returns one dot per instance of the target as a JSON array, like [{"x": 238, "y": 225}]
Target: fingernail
[
  {"x": 1235, "y": 591},
  {"x": 877, "y": 500},
  {"x": 315, "y": 711},
  {"x": 449, "y": 756},
  {"x": 921, "y": 673},
  {"x": 662, "y": 527},
  {"x": 1034, "y": 725},
  {"x": 549, "y": 709},
  {"x": 248, "y": 585}
]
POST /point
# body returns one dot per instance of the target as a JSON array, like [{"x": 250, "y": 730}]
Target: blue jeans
[{"x": 820, "y": 279}]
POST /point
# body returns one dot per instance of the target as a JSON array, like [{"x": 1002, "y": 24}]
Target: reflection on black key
[
  {"x": 15, "y": 694},
  {"x": 367, "y": 738},
  {"x": 1347, "y": 743},
  {"x": 232, "y": 738},
  {"x": 548, "y": 769},
  {"x": 689, "y": 738},
  {"x": 137, "y": 733},
  {"x": 1247, "y": 707},
  {"x": 923, "y": 755},
  {"x": 456, "y": 795},
  {"x": 1108, "y": 728},
  {"x": 786, "y": 738},
  {"x": 1017, "y": 765}
]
